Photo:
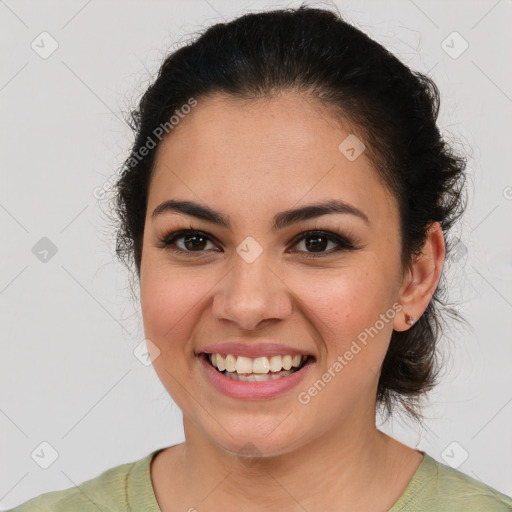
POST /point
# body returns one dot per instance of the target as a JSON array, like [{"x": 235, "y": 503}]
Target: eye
[
  {"x": 187, "y": 241},
  {"x": 316, "y": 242},
  {"x": 193, "y": 241}
]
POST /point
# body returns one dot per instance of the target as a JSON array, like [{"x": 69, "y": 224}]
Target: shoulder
[
  {"x": 107, "y": 491},
  {"x": 438, "y": 487}
]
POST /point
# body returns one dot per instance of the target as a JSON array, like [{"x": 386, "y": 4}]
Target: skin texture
[{"x": 251, "y": 160}]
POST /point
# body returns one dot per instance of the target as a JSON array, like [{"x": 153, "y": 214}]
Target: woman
[{"x": 285, "y": 205}]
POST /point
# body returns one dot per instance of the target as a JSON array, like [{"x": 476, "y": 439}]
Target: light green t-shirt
[{"x": 434, "y": 487}]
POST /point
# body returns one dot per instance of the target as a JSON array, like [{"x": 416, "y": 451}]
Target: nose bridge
[{"x": 251, "y": 292}]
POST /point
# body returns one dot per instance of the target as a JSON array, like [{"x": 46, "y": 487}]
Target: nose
[{"x": 251, "y": 295}]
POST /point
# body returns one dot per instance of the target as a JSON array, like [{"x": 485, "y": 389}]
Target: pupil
[
  {"x": 316, "y": 245},
  {"x": 194, "y": 237}
]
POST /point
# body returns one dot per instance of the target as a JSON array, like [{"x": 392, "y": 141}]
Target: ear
[{"x": 421, "y": 279}]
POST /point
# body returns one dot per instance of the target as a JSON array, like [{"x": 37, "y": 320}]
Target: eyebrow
[{"x": 280, "y": 220}]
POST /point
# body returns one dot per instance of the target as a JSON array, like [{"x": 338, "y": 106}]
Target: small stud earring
[{"x": 410, "y": 320}]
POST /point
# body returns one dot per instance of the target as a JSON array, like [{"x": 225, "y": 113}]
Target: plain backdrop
[{"x": 69, "y": 326}]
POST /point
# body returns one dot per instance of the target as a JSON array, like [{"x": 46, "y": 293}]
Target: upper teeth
[{"x": 242, "y": 364}]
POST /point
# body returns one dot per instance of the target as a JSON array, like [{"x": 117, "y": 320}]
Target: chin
[{"x": 257, "y": 442}]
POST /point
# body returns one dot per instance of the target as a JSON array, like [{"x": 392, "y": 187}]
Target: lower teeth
[{"x": 258, "y": 377}]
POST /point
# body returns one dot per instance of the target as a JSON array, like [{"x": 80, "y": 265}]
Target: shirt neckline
[
  {"x": 139, "y": 487},
  {"x": 420, "y": 479}
]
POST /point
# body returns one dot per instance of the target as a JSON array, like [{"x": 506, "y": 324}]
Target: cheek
[
  {"x": 169, "y": 300},
  {"x": 354, "y": 314},
  {"x": 347, "y": 303},
  {"x": 354, "y": 317}
]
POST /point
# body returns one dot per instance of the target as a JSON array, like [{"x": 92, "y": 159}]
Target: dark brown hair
[{"x": 315, "y": 52}]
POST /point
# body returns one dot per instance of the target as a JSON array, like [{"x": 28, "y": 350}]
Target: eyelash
[{"x": 343, "y": 243}]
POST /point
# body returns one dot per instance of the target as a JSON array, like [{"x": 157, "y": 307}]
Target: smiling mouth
[{"x": 258, "y": 369}]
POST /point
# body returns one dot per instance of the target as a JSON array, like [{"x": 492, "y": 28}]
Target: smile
[
  {"x": 252, "y": 378},
  {"x": 257, "y": 369}
]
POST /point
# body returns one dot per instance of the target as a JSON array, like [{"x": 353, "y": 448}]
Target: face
[{"x": 271, "y": 284}]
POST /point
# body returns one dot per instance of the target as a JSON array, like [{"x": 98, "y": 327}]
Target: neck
[{"x": 339, "y": 466}]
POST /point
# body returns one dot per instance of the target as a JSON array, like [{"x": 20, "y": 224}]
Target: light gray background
[{"x": 69, "y": 326}]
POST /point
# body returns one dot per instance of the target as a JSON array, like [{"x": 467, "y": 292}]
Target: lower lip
[{"x": 252, "y": 390}]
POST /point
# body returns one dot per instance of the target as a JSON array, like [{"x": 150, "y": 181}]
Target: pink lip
[
  {"x": 252, "y": 390},
  {"x": 253, "y": 350}
]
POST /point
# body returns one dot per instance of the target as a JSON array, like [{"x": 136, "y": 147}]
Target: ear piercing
[{"x": 410, "y": 320}]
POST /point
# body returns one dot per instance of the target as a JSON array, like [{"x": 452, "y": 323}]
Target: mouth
[{"x": 259, "y": 369}]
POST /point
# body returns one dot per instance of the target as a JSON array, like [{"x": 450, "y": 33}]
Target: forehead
[{"x": 263, "y": 154}]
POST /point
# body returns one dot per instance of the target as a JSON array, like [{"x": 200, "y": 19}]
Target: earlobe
[{"x": 421, "y": 279}]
